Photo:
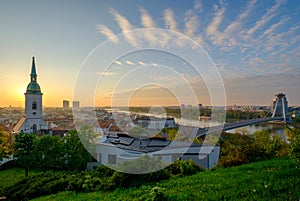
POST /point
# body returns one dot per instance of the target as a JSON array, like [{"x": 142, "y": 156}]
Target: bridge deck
[{"x": 230, "y": 126}]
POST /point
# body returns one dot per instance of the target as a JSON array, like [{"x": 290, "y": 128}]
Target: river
[{"x": 274, "y": 129}]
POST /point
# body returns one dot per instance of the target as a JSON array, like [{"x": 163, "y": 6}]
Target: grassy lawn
[{"x": 276, "y": 179}]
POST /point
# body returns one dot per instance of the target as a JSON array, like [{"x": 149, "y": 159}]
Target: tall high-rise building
[
  {"x": 76, "y": 104},
  {"x": 66, "y": 104},
  {"x": 32, "y": 121}
]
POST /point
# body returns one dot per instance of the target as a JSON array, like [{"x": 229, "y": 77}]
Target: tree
[
  {"x": 75, "y": 154},
  {"x": 49, "y": 152},
  {"x": 24, "y": 150},
  {"x": 272, "y": 145},
  {"x": 6, "y": 146}
]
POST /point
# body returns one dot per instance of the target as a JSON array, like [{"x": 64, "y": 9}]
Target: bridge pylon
[{"x": 279, "y": 106}]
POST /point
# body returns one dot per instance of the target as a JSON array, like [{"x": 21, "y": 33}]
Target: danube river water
[{"x": 274, "y": 129}]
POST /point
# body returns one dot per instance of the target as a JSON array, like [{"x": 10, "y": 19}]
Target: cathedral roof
[{"x": 33, "y": 87}]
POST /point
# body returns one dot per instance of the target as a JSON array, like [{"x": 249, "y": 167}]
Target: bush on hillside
[
  {"x": 238, "y": 149},
  {"x": 294, "y": 137},
  {"x": 184, "y": 168}
]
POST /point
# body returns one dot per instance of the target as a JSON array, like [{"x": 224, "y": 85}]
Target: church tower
[
  {"x": 33, "y": 100},
  {"x": 33, "y": 121}
]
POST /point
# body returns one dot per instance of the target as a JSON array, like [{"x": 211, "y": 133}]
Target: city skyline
[{"x": 254, "y": 44}]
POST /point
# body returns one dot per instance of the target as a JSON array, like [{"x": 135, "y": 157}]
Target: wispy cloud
[
  {"x": 108, "y": 33},
  {"x": 146, "y": 19},
  {"x": 235, "y": 25},
  {"x": 170, "y": 20},
  {"x": 126, "y": 27},
  {"x": 235, "y": 37},
  {"x": 191, "y": 26},
  {"x": 213, "y": 27},
  {"x": 152, "y": 37},
  {"x": 130, "y": 63},
  {"x": 192, "y": 21},
  {"x": 106, "y": 73},
  {"x": 271, "y": 13},
  {"x": 118, "y": 62},
  {"x": 271, "y": 29},
  {"x": 141, "y": 63}
]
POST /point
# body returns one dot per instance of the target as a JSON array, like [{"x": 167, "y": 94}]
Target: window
[
  {"x": 34, "y": 105},
  {"x": 112, "y": 159}
]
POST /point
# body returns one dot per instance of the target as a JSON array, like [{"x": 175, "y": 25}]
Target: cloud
[
  {"x": 198, "y": 6},
  {"x": 271, "y": 29},
  {"x": 118, "y": 62},
  {"x": 252, "y": 54},
  {"x": 108, "y": 33},
  {"x": 266, "y": 18},
  {"x": 280, "y": 41},
  {"x": 106, "y": 73},
  {"x": 126, "y": 27},
  {"x": 170, "y": 20},
  {"x": 146, "y": 19},
  {"x": 242, "y": 89},
  {"x": 130, "y": 63},
  {"x": 213, "y": 27},
  {"x": 234, "y": 26},
  {"x": 255, "y": 61},
  {"x": 152, "y": 36},
  {"x": 141, "y": 63},
  {"x": 191, "y": 26},
  {"x": 191, "y": 19}
]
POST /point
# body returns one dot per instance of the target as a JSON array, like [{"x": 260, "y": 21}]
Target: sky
[{"x": 254, "y": 46}]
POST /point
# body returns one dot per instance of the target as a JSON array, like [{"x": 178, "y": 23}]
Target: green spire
[
  {"x": 33, "y": 74},
  {"x": 33, "y": 87}
]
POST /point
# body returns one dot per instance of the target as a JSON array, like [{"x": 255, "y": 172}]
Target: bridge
[
  {"x": 230, "y": 126},
  {"x": 291, "y": 109},
  {"x": 279, "y": 110}
]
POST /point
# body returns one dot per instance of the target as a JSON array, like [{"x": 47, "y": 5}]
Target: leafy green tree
[
  {"x": 237, "y": 149},
  {"x": 49, "y": 152},
  {"x": 75, "y": 154},
  {"x": 88, "y": 135},
  {"x": 24, "y": 150},
  {"x": 6, "y": 145}
]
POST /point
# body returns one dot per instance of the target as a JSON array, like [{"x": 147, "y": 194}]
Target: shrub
[
  {"x": 38, "y": 185},
  {"x": 294, "y": 137},
  {"x": 184, "y": 168},
  {"x": 121, "y": 179},
  {"x": 157, "y": 194},
  {"x": 238, "y": 149}
]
